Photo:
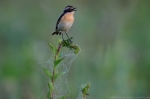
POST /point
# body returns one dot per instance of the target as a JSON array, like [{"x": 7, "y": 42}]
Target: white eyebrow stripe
[{"x": 67, "y": 8}]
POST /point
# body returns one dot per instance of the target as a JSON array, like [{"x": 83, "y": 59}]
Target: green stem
[{"x": 56, "y": 54}]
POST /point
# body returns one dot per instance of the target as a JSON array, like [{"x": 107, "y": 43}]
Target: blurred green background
[{"x": 114, "y": 37}]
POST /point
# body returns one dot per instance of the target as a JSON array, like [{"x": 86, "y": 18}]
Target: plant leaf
[
  {"x": 76, "y": 49},
  {"x": 50, "y": 86},
  {"x": 52, "y": 47},
  {"x": 48, "y": 95},
  {"x": 63, "y": 97},
  {"x": 57, "y": 75},
  {"x": 48, "y": 73},
  {"x": 57, "y": 62},
  {"x": 85, "y": 89}
]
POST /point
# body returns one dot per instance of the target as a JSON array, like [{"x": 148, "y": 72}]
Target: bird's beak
[{"x": 75, "y": 9}]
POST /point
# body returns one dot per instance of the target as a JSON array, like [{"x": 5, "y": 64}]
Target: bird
[{"x": 65, "y": 21}]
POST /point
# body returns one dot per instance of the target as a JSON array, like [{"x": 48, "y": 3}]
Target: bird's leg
[
  {"x": 62, "y": 36},
  {"x": 59, "y": 32},
  {"x": 68, "y": 37}
]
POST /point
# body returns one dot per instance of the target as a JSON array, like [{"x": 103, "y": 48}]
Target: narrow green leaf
[
  {"x": 57, "y": 62},
  {"x": 48, "y": 73},
  {"x": 85, "y": 89},
  {"x": 63, "y": 97},
  {"x": 58, "y": 75},
  {"x": 50, "y": 86},
  {"x": 52, "y": 47},
  {"x": 48, "y": 95},
  {"x": 75, "y": 48},
  {"x": 59, "y": 40}
]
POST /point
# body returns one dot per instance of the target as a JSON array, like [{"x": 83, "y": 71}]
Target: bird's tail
[{"x": 56, "y": 33}]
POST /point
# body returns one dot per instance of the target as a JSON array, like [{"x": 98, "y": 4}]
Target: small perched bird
[{"x": 65, "y": 21}]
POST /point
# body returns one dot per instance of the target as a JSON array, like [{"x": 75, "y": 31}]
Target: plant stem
[
  {"x": 58, "y": 50},
  {"x": 56, "y": 54}
]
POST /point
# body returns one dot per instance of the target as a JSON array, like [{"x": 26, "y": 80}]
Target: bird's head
[{"x": 69, "y": 8}]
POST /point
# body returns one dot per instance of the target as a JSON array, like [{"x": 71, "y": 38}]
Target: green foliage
[
  {"x": 50, "y": 86},
  {"x": 52, "y": 47},
  {"x": 63, "y": 97},
  {"x": 57, "y": 62},
  {"x": 76, "y": 48},
  {"x": 85, "y": 89},
  {"x": 50, "y": 91},
  {"x": 68, "y": 43},
  {"x": 48, "y": 94},
  {"x": 48, "y": 73},
  {"x": 57, "y": 75}
]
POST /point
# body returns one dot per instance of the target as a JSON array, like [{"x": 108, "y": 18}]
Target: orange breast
[
  {"x": 68, "y": 17},
  {"x": 66, "y": 22}
]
